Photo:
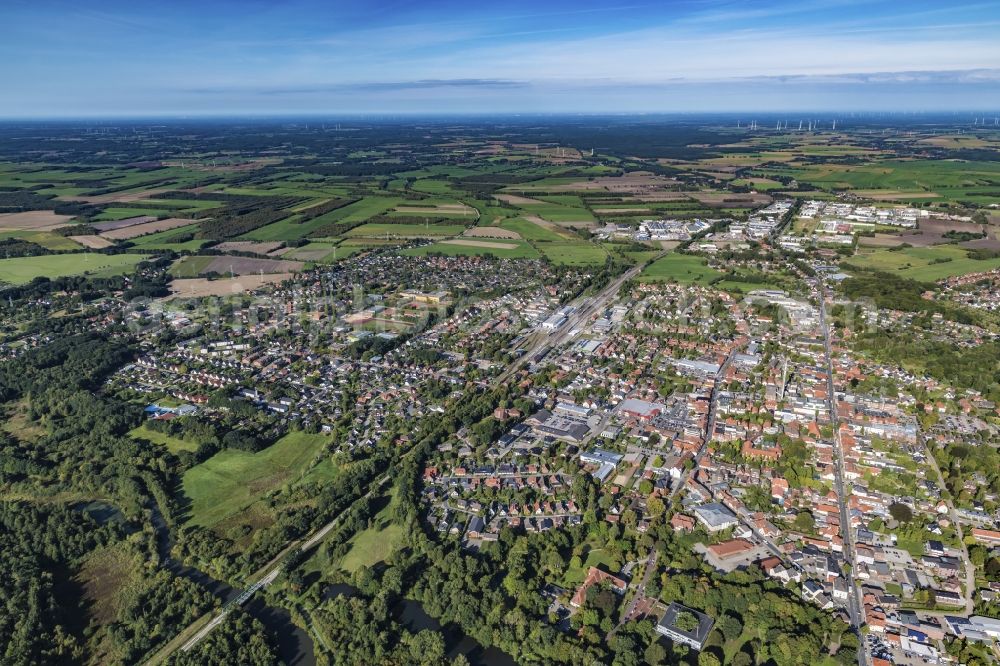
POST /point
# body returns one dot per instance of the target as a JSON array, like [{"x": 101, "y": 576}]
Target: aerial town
[{"x": 460, "y": 394}]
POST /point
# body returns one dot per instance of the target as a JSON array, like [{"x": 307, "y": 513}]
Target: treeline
[
  {"x": 16, "y": 247},
  {"x": 485, "y": 185},
  {"x": 971, "y": 367},
  {"x": 416, "y": 219},
  {"x": 322, "y": 209},
  {"x": 90, "y": 288},
  {"x": 359, "y": 168},
  {"x": 241, "y": 639},
  {"x": 892, "y": 292},
  {"x": 17, "y": 201},
  {"x": 240, "y": 219}
]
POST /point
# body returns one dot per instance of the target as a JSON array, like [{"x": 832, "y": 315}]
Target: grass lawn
[
  {"x": 16, "y": 422},
  {"x": 574, "y": 254},
  {"x": 231, "y": 480},
  {"x": 597, "y": 557},
  {"x": 22, "y": 270},
  {"x": 374, "y": 544},
  {"x": 925, "y": 264},
  {"x": 173, "y": 444},
  {"x": 522, "y": 251},
  {"x": 683, "y": 268},
  {"x": 738, "y": 287}
]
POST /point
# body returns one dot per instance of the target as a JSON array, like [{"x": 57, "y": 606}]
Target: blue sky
[{"x": 251, "y": 57}]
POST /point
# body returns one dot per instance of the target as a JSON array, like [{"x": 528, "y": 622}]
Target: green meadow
[
  {"x": 683, "y": 268},
  {"x": 22, "y": 270},
  {"x": 231, "y": 480}
]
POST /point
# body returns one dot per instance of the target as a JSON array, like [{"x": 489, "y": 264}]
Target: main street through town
[{"x": 854, "y": 606}]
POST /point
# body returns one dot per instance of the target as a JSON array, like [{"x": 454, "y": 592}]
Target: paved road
[
  {"x": 640, "y": 590},
  {"x": 854, "y": 606}
]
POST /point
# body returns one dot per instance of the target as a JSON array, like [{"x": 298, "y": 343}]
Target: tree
[
  {"x": 901, "y": 512},
  {"x": 655, "y": 654},
  {"x": 804, "y": 521},
  {"x": 686, "y": 621},
  {"x": 707, "y": 658},
  {"x": 742, "y": 659},
  {"x": 730, "y": 626}
]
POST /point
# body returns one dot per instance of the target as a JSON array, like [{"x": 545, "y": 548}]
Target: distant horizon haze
[{"x": 111, "y": 58}]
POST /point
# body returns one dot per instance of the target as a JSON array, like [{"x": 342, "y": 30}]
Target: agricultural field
[
  {"x": 503, "y": 250},
  {"x": 683, "y": 268},
  {"x": 194, "y": 266},
  {"x": 537, "y": 229},
  {"x": 47, "y": 239},
  {"x": 113, "y": 214},
  {"x": 578, "y": 253},
  {"x": 200, "y": 287},
  {"x": 178, "y": 239},
  {"x": 405, "y": 230},
  {"x": 35, "y": 220},
  {"x": 924, "y": 264},
  {"x": 92, "y": 241},
  {"x": 917, "y": 182},
  {"x": 316, "y": 252},
  {"x": 136, "y": 230},
  {"x": 21, "y": 270},
  {"x": 559, "y": 208},
  {"x": 255, "y": 247}
]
